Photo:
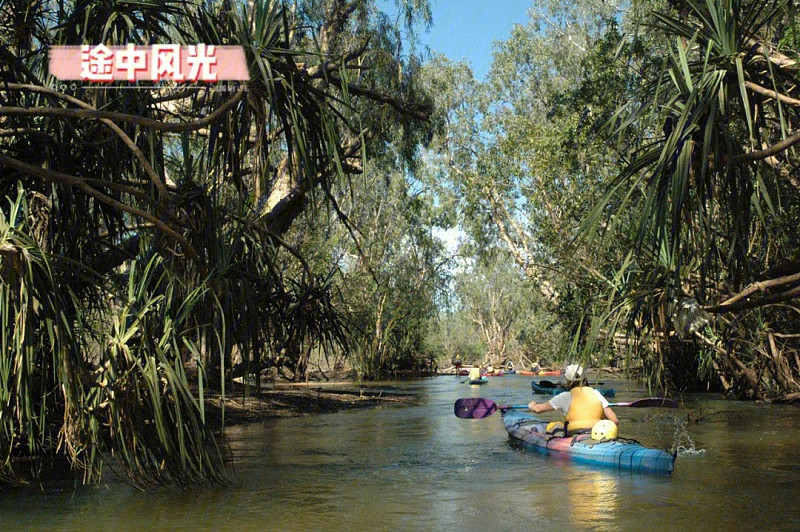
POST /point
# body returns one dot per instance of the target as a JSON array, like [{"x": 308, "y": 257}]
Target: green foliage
[
  {"x": 704, "y": 193},
  {"x": 521, "y": 158},
  {"x": 37, "y": 346},
  {"x": 133, "y": 400},
  {"x": 203, "y": 184},
  {"x": 509, "y": 313},
  {"x": 688, "y": 200},
  {"x": 389, "y": 285},
  {"x": 453, "y": 333}
]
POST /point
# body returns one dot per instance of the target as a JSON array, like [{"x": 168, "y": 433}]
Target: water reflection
[{"x": 592, "y": 499}]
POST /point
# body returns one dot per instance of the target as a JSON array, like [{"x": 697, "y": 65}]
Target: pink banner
[{"x": 165, "y": 62}]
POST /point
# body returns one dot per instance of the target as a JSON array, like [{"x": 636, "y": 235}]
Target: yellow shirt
[{"x": 585, "y": 409}]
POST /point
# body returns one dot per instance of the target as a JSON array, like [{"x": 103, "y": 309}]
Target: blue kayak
[
  {"x": 540, "y": 388},
  {"x": 482, "y": 380},
  {"x": 629, "y": 455}
]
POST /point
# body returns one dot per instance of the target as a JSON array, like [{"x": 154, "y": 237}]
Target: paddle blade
[
  {"x": 650, "y": 402},
  {"x": 474, "y": 408}
]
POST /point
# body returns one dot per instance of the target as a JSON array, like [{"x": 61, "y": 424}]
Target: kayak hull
[
  {"x": 482, "y": 380},
  {"x": 555, "y": 390},
  {"x": 529, "y": 431}
]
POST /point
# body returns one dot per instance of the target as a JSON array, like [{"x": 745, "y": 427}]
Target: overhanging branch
[{"x": 126, "y": 118}]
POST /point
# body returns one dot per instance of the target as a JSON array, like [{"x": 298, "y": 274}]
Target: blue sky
[{"x": 466, "y": 29}]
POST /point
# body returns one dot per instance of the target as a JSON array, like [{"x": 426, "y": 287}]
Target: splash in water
[{"x": 682, "y": 443}]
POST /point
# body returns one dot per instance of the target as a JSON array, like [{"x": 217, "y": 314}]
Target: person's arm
[
  {"x": 610, "y": 414},
  {"x": 540, "y": 407}
]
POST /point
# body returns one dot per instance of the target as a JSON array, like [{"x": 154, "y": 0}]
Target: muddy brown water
[{"x": 418, "y": 467}]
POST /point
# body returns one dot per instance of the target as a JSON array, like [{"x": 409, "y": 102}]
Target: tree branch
[
  {"x": 148, "y": 168},
  {"x": 763, "y": 154},
  {"x": 414, "y": 110},
  {"x": 772, "y": 93},
  {"x": 126, "y": 118},
  {"x": 740, "y": 302}
]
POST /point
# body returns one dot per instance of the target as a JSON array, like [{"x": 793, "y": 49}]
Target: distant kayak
[
  {"x": 482, "y": 380},
  {"x": 540, "y": 373},
  {"x": 544, "y": 373},
  {"x": 529, "y": 431},
  {"x": 549, "y": 388}
]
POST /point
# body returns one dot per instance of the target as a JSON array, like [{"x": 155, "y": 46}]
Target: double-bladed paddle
[
  {"x": 479, "y": 407},
  {"x": 649, "y": 402}
]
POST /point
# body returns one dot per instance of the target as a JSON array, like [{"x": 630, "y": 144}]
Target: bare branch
[
  {"x": 414, "y": 110},
  {"x": 740, "y": 302},
  {"x": 763, "y": 154},
  {"x": 151, "y": 173},
  {"x": 776, "y": 58},
  {"x": 772, "y": 93}
]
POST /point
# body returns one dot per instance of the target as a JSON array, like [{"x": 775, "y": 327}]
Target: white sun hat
[{"x": 573, "y": 372}]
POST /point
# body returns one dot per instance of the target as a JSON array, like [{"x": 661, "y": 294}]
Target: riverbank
[{"x": 288, "y": 399}]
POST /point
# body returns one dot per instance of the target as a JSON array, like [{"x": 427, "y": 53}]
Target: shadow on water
[{"x": 418, "y": 467}]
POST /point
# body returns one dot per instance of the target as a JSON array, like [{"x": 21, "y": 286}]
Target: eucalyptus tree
[
  {"x": 508, "y": 312},
  {"x": 391, "y": 280},
  {"x": 451, "y": 332},
  {"x": 710, "y": 286},
  {"x": 144, "y": 228},
  {"x": 520, "y": 153}
]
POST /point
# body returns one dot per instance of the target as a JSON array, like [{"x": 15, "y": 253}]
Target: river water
[{"x": 418, "y": 467}]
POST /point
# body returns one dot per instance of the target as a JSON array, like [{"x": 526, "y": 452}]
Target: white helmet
[{"x": 573, "y": 372}]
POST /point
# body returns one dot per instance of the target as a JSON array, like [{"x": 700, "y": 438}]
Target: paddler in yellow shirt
[{"x": 583, "y": 406}]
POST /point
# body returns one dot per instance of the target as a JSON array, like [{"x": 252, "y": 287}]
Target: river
[{"x": 418, "y": 467}]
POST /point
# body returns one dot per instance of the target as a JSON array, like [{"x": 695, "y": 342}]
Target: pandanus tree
[
  {"x": 143, "y": 231},
  {"x": 709, "y": 285}
]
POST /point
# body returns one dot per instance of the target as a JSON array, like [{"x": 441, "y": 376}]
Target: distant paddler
[{"x": 457, "y": 363}]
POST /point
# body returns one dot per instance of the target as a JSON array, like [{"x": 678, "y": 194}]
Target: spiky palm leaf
[
  {"x": 701, "y": 193},
  {"x": 702, "y": 100}
]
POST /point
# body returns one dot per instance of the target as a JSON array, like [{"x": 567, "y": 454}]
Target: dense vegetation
[
  {"x": 158, "y": 243},
  {"x": 624, "y": 183},
  {"x": 637, "y": 163}
]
